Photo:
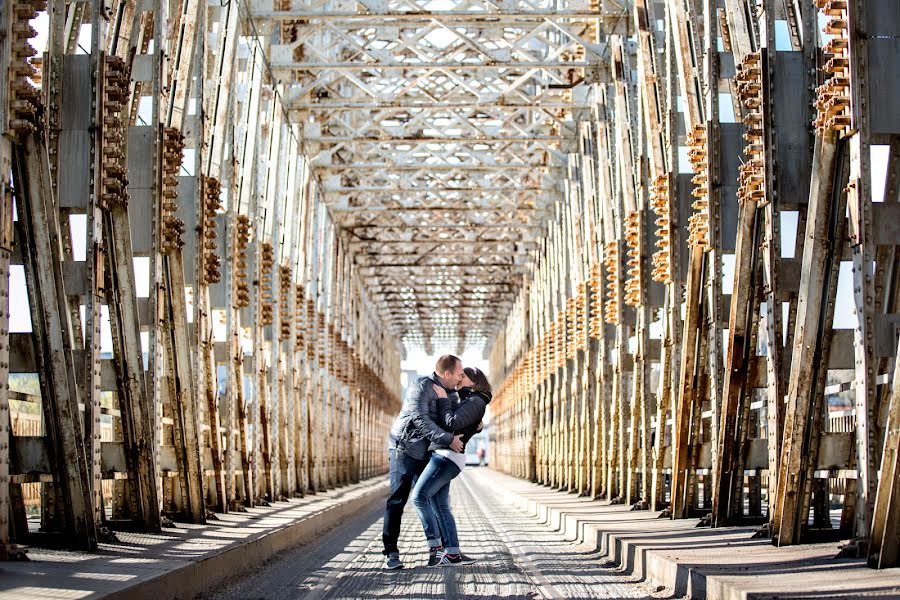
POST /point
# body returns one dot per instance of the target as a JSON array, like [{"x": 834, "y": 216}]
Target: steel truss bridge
[{"x": 224, "y": 224}]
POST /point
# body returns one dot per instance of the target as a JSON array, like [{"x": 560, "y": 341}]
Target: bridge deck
[
  {"x": 530, "y": 542},
  {"x": 518, "y": 558}
]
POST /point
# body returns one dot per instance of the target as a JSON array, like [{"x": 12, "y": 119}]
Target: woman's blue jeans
[{"x": 431, "y": 497}]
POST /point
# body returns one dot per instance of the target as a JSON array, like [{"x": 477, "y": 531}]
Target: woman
[{"x": 431, "y": 496}]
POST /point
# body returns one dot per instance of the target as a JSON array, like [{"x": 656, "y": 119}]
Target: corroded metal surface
[
  {"x": 641, "y": 210},
  {"x": 717, "y": 370},
  {"x": 198, "y": 336}
]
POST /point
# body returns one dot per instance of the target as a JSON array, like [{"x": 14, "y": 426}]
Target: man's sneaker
[
  {"x": 435, "y": 554},
  {"x": 456, "y": 559},
  {"x": 392, "y": 562}
]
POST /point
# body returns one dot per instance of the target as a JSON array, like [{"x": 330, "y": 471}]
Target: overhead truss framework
[{"x": 438, "y": 123}]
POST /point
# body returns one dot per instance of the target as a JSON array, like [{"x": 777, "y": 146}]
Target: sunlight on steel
[{"x": 440, "y": 131}]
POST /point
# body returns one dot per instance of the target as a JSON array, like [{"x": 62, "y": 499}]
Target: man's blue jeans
[
  {"x": 431, "y": 497},
  {"x": 404, "y": 471}
]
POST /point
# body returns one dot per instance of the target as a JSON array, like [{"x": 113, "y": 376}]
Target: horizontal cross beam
[
  {"x": 462, "y": 219},
  {"x": 439, "y": 269},
  {"x": 405, "y": 66},
  {"x": 364, "y": 258},
  {"x": 436, "y": 192},
  {"x": 348, "y": 211},
  {"x": 436, "y": 292},
  {"x": 397, "y": 317},
  {"x": 425, "y": 167},
  {"x": 398, "y": 284},
  {"x": 463, "y": 324},
  {"x": 431, "y": 293},
  {"x": 463, "y": 321},
  {"x": 397, "y": 313},
  {"x": 440, "y": 338},
  {"x": 415, "y": 262},
  {"x": 425, "y": 105},
  {"x": 478, "y": 321},
  {"x": 415, "y": 163},
  {"x": 356, "y": 228},
  {"x": 495, "y": 210},
  {"x": 449, "y": 193},
  {"x": 494, "y": 16},
  {"x": 488, "y": 246},
  {"x": 457, "y": 299},
  {"x": 444, "y": 139}
]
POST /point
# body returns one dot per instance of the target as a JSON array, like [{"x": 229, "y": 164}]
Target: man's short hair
[{"x": 447, "y": 362}]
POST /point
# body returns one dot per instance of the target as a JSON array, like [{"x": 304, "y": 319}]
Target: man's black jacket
[{"x": 416, "y": 426}]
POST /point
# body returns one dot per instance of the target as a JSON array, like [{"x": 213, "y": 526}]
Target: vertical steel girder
[{"x": 8, "y": 550}]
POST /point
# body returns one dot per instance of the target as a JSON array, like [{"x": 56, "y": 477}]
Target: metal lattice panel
[{"x": 441, "y": 132}]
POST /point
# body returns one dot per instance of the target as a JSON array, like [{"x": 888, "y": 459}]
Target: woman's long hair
[{"x": 480, "y": 383}]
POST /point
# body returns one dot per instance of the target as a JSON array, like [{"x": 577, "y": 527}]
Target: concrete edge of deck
[
  {"x": 654, "y": 550},
  {"x": 201, "y": 575}
]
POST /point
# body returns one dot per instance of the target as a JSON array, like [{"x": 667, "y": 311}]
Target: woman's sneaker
[
  {"x": 456, "y": 559},
  {"x": 435, "y": 555}
]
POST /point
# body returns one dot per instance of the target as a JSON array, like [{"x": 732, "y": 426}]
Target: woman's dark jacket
[{"x": 463, "y": 418}]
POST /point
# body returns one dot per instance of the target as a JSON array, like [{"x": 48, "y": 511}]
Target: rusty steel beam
[
  {"x": 490, "y": 14},
  {"x": 8, "y": 550},
  {"x": 40, "y": 227},
  {"x": 164, "y": 398}
]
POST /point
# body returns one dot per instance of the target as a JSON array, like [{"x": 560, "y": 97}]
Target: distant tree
[{"x": 25, "y": 383}]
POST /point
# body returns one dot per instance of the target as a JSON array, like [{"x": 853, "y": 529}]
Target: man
[{"x": 411, "y": 434}]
